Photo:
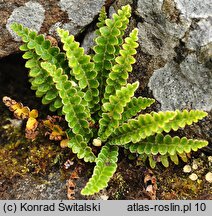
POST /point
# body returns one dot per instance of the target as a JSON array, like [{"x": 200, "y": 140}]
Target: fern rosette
[{"x": 92, "y": 92}]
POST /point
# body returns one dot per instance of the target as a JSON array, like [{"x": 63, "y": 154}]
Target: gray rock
[
  {"x": 44, "y": 17},
  {"x": 194, "y": 8},
  {"x": 88, "y": 41},
  {"x": 201, "y": 35},
  {"x": 177, "y": 33},
  {"x": 188, "y": 85},
  {"x": 161, "y": 30},
  {"x": 31, "y": 15},
  {"x": 80, "y": 13}
]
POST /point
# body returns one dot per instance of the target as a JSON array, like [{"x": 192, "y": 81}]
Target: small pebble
[
  {"x": 187, "y": 169},
  {"x": 194, "y": 166},
  {"x": 208, "y": 177},
  {"x": 104, "y": 197},
  {"x": 210, "y": 159},
  {"x": 97, "y": 142},
  {"x": 193, "y": 177}
]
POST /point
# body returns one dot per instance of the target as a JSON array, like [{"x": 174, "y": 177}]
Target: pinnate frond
[
  {"x": 164, "y": 147},
  {"x": 119, "y": 73},
  {"x": 183, "y": 118},
  {"x": 77, "y": 85},
  {"x": 36, "y": 47},
  {"x": 108, "y": 44},
  {"x": 80, "y": 147},
  {"x": 137, "y": 129},
  {"x": 82, "y": 68},
  {"x": 101, "y": 20},
  {"x": 106, "y": 165},
  {"x": 74, "y": 106},
  {"x": 135, "y": 106},
  {"x": 113, "y": 110}
]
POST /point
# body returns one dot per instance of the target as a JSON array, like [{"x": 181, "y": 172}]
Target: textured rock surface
[
  {"x": 44, "y": 17},
  {"x": 80, "y": 13},
  {"x": 184, "y": 85},
  {"x": 178, "y": 33},
  {"x": 30, "y": 15},
  {"x": 162, "y": 28},
  {"x": 194, "y": 8}
]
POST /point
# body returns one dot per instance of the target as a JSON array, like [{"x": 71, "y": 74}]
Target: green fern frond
[
  {"x": 82, "y": 68},
  {"x": 78, "y": 146},
  {"x": 41, "y": 82},
  {"x": 101, "y": 20},
  {"x": 74, "y": 106},
  {"x": 119, "y": 73},
  {"x": 113, "y": 110},
  {"x": 164, "y": 147},
  {"x": 137, "y": 129},
  {"x": 183, "y": 118},
  {"x": 135, "y": 106},
  {"x": 107, "y": 44},
  {"x": 37, "y": 48},
  {"x": 41, "y": 46},
  {"x": 106, "y": 165}
]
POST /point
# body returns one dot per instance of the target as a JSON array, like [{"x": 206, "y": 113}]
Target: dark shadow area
[{"x": 14, "y": 83}]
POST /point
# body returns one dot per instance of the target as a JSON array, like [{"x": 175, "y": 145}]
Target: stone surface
[
  {"x": 184, "y": 85},
  {"x": 177, "y": 33},
  {"x": 162, "y": 28},
  {"x": 80, "y": 13},
  {"x": 33, "y": 188},
  {"x": 30, "y": 15},
  {"x": 201, "y": 35},
  {"x": 44, "y": 17},
  {"x": 88, "y": 41},
  {"x": 194, "y": 8}
]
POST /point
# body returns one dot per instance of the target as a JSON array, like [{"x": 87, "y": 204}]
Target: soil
[{"x": 35, "y": 169}]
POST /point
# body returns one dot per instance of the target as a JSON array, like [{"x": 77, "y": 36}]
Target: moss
[
  {"x": 19, "y": 156},
  {"x": 175, "y": 184}
]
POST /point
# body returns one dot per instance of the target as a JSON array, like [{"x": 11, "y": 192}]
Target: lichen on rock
[
  {"x": 194, "y": 8},
  {"x": 80, "y": 13},
  {"x": 178, "y": 33},
  {"x": 31, "y": 15},
  {"x": 188, "y": 85}
]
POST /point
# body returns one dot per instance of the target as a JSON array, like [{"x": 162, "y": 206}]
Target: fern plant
[{"x": 92, "y": 92}]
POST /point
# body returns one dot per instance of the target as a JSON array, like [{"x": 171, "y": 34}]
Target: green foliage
[
  {"x": 119, "y": 72},
  {"x": 164, "y": 147},
  {"x": 106, "y": 165},
  {"x": 113, "y": 110},
  {"x": 82, "y": 68},
  {"x": 91, "y": 91},
  {"x": 37, "y": 48},
  {"x": 108, "y": 44}
]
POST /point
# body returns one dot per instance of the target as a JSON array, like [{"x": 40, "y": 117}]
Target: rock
[
  {"x": 188, "y": 85},
  {"x": 177, "y": 33},
  {"x": 29, "y": 187},
  {"x": 44, "y": 17},
  {"x": 30, "y": 15},
  {"x": 162, "y": 28},
  {"x": 194, "y": 8},
  {"x": 200, "y": 36},
  {"x": 208, "y": 177},
  {"x": 210, "y": 159},
  {"x": 187, "y": 169},
  {"x": 193, "y": 177},
  {"x": 88, "y": 41},
  {"x": 80, "y": 13}
]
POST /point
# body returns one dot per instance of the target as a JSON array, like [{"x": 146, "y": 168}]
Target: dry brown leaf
[{"x": 150, "y": 184}]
